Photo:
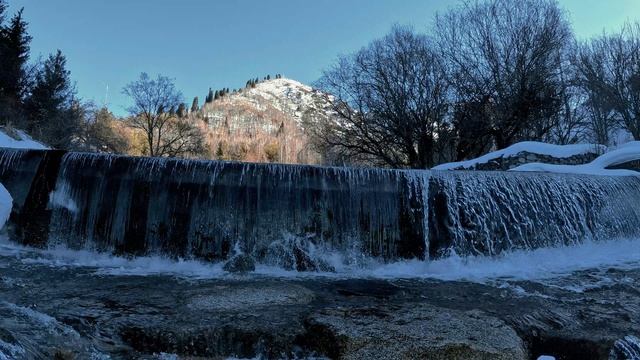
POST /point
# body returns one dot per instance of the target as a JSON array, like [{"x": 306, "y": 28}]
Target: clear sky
[{"x": 222, "y": 43}]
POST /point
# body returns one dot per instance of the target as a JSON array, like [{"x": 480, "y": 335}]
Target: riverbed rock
[{"x": 413, "y": 331}]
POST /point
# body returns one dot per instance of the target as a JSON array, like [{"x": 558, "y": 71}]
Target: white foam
[
  {"x": 517, "y": 265},
  {"x": 522, "y": 264}
]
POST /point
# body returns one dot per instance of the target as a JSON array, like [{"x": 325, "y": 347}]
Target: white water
[{"x": 538, "y": 264}]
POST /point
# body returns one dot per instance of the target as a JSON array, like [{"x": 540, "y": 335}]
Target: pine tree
[
  {"x": 217, "y": 95},
  {"x": 54, "y": 115},
  {"x": 268, "y": 77},
  {"x": 14, "y": 54},
  {"x": 194, "y": 106},
  {"x": 3, "y": 8}
]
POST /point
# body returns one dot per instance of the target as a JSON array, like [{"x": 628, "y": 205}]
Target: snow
[
  {"x": 6, "y": 204},
  {"x": 24, "y": 141},
  {"x": 625, "y": 153},
  {"x": 557, "y": 151}
]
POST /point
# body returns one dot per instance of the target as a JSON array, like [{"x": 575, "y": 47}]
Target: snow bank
[
  {"x": 24, "y": 141},
  {"x": 6, "y": 203},
  {"x": 625, "y": 153},
  {"x": 557, "y": 151}
]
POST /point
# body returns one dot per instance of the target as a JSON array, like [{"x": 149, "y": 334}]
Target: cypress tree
[
  {"x": 210, "y": 96},
  {"x": 217, "y": 95},
  {"x": 219, "y": 152},
  {"x": 194, "y": 106}
]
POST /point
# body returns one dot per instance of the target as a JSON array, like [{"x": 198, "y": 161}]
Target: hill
[{"x": 267, "y": 121}]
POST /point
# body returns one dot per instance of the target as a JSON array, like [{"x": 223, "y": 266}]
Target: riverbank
[{"x": 80, "y": 312}]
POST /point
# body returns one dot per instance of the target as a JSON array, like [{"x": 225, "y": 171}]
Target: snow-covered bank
[
  {"x": 533, "y": 147},
  {"x": 625, "y": 153},
  {"x": 20, "y": 140}
]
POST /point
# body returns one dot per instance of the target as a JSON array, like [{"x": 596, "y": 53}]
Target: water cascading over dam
[{"x": 206, "y": 209}]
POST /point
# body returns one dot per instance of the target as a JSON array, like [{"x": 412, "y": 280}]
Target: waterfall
[
  {"x": 203, "y": 209},
  {"x": 209, "y": 209},
  {"x": 486, "y": 213}
]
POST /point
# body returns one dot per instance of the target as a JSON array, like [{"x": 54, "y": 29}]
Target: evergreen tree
[
  {"x": 209, "y": 96},
  {"x": 172, "y": 110},
  {"x": 54, "y": 115},
  {"x": 14, "y": 54},
  {"x": 217, "y": 95},
  {"x": 194, "y": 106},
  {"x": 268, "y": 77},
  {"x": 3, "y": 8}
]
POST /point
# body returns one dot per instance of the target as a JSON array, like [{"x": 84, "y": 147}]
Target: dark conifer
[{"x": 195, "y": 106}]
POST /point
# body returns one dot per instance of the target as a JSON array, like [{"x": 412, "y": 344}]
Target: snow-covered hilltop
[
  {"x": 274, "y": 114},
  {"x": 297, "y": 100}
]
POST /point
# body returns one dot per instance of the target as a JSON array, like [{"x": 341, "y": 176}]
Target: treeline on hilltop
[
  {"x": 218, "y": 94},
  {"x": 487, "y": 75}
]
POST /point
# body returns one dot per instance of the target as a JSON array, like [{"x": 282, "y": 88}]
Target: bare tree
[
  {"x": 570, "y": 123},
  {"x": 391, "y": 98},
  {"x": 504, "y": 59},
  {"x": 609, "y": 72},
  {"x": 166, "y": 134}
]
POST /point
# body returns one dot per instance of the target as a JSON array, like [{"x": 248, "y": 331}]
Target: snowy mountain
[{"x": 267, "y": 122}]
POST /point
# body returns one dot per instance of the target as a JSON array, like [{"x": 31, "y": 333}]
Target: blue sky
[{"x": 215, "y": 43}]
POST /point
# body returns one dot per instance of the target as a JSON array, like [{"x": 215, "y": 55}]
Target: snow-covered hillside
[
  {"x": 276, "y": 112},
  {"x": 291, "y": 98}
]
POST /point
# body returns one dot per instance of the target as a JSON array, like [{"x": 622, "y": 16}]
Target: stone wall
[{"x": 524, "y": 157}]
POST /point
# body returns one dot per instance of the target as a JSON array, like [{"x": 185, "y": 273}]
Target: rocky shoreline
[{"x": 78, "y": 313}]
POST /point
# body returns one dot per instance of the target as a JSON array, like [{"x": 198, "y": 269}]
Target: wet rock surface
[{"x": 83, "y": 314}]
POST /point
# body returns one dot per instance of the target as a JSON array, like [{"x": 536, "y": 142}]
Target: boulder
[{"x": 240, "y": 263}]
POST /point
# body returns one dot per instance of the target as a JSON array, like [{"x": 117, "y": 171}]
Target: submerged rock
[{"x": 240, "y": 263}]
